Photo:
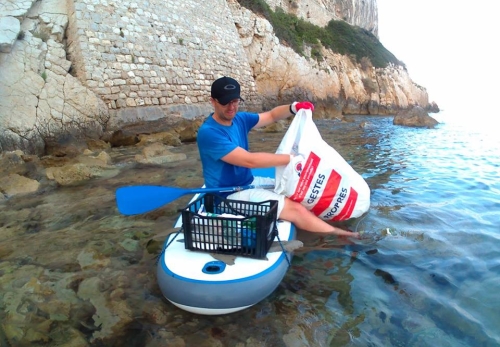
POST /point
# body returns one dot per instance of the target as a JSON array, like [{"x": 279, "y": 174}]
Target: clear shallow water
[
  {"x": 435, "y": 277},
  {"x": 74, "y": 272}
]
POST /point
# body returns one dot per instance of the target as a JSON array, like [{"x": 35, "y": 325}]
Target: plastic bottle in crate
[
  {"x": 235, "y": 232},
  {"x": 249, "y": 232},
  {"x": 232, "y": 228},
  {"x": 207, "y": 229}
]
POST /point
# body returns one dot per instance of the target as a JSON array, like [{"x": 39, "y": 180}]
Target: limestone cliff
[
  {"x": 360, "y": 13},
  {"x": 337, "y": 84},
  {"x": 85, "y": 65}
]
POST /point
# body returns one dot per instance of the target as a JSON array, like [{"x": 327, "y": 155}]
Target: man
[{"x": 223, "y": 145}]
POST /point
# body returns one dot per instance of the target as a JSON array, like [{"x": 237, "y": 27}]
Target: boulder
[
  {"x": 169, "y": 138},
  {"x": 123, "y": 138},
  {"x": 96, "y": 144},
  {"x": 65, "y": 145},
  {"x": 78, "y": 173},
  {"x": 16, "y": 184},
  {"x": 188, "y": 130},
  {"x": 158, "y": 153},
  {"x": 415, "y": 116},
  {"x": 12, "y": 162},
  {"x": 433, "y": 108}
]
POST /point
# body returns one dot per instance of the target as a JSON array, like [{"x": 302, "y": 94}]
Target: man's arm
[
  {"x": 282, "y": 112},
  {"x": 241, "y": 157},
  {"x": 276, "y": 114}
]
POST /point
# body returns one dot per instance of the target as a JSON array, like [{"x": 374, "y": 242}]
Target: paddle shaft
[{"x": 141, "y": 199}]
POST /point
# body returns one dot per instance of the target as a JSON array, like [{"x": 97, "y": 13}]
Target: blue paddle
[{"x": 141, "y": 199}]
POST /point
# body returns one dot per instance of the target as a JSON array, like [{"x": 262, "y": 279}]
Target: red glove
[{"x": 296, "y": 106}]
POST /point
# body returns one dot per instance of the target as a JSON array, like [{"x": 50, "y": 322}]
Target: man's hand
[{"x": 296, "y": 106}]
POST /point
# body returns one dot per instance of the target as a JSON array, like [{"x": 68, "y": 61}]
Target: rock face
[
  {"x": 84, "y": 67},
  {"x": 319, "y": 12},
  {"x": 337, "y": 85},
  {"x": 39, "y": 98}
]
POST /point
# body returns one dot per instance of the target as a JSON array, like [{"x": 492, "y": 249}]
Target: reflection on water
[{"x": 74, "y": 272}]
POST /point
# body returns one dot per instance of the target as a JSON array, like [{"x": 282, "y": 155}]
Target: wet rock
[
  {"x": 92, "y": 259},
  {"x": 66, "y": 145},
  {"x": 295, "y": 338},
  {"x": 51, "y": 161},
  {"x": 12, "y": 162},
  {"x": 73, "y": 338},
  {"x": 122, "y": 281},
  {"x": 154, "y": 314},
  {"x": 19, "y": 163},
  {"x": 158, "y": 153},
  {"x": 40, "y": 333},
  {"x": 152, "y": 246},
  {"x": 56, "y": 167},
  {"x": 188, "y": 129},
  {"x": 5, "y": 251},
  {"x": 165, "y": 130},
  {"x": 34, "y": 285},
  {"x": 414, "y": 117},
  {"x": 79, "y": 173},
  {"x": 169, "y": 138},
  {"x": 123, "y": 138},
  {"x": 167, "y": 338},
  {"x": 111, "y": 316},
  {"x": 13, "y": 332},
  {"x": 130, "y": 245},
  {"x": 15, "y": 184},
  {"x": 57, "y": 310},
  {"x": 97, "y": 145},
  {"x": 118, "y": 294},
  {"x": 102, "y": 159}
]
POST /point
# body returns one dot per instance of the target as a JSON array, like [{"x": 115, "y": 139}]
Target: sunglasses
[{"x": 234, "y": 102}]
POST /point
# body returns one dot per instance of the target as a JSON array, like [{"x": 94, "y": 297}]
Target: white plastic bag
[{"x": 318, "y": 177}]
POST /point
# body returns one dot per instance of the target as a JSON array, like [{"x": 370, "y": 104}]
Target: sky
[{"x": 448, "y": 47}]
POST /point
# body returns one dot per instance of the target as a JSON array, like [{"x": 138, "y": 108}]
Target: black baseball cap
[{"x": 225, "y": 89}]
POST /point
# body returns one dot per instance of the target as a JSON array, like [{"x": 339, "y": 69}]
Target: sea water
[
  {"x": 73, "y": 271},
  {"x": 427, "y": 272}
]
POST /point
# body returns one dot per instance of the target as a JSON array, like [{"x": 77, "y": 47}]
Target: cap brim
[{"x": 226, "y": 99}]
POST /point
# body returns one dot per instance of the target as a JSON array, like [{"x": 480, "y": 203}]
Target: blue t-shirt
[{"x": 215, "y": 141}]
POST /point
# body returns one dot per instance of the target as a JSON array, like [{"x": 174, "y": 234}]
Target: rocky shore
[{"x": 70, "y": 160}]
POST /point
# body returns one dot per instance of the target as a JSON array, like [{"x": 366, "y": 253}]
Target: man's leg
[
  {"x": 304, "y": 219},
  {"x": 292, "y": 211}
]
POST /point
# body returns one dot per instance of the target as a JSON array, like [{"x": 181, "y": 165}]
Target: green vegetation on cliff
[{"x": 338, "y": 36}]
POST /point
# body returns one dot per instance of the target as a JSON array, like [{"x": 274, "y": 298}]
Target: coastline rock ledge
[{"x": 90, "y": 67}]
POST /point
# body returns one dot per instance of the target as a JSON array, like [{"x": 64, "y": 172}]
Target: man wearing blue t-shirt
[{"x": 223, "y": 145}]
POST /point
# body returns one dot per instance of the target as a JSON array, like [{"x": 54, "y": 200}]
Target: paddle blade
[{"x": 141, "y": 199}]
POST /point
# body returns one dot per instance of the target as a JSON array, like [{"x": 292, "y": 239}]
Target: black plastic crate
[{"x": 248, "y": 232}]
